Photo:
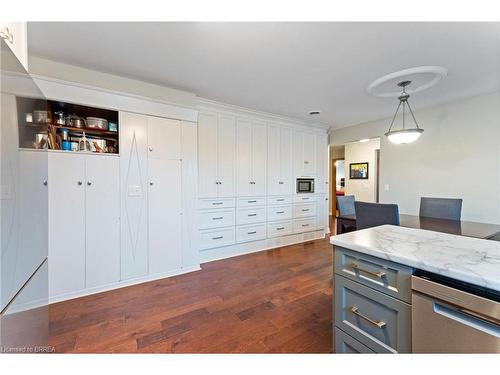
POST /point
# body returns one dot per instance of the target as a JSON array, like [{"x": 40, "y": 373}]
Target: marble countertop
[{"x": 472, "y": 260}]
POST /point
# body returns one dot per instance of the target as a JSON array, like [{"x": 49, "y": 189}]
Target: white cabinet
[
  {"x": 304, "y": 154},
  {"x": 164, "y": 138},
  {"x": 15, "y": 36},
  {"x": 321, "y": 185},
  {"x": 216, "y": 149},
  {"x": 251, "y": 157},
  {"x": 102, "y": 225},
  {"x": 84, "y": 241},
  {"x": 133, "y": 191},
  {"x": 165, "y": 210},
  {"x": 280, "y": 176},
  {"x": 322, "y": 210}
]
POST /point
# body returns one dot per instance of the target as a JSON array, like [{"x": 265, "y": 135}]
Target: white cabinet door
[
  {"x": 66, "y": 223},
  {"x": 244, "y": 158},
  {"x": 288, "y": 183},
  {"x": 309, "y": 154},
  {"x": 226, "y": 140},
  {"x": 133, "y": 182},
  {"x": 164, "y": 138},
  {"x": 16, "y": 37},
  {"x": 298, "y": 153},
  {"x": 274, "y": 152},
  {"x": 207, "y": 155},
  {"x": 190, "y": 253},
  {"x": 102, "y": 217},
  {"x": 259, "y": 158},
  {"x": 322, "y": 211},
  {"x": 165, "y": 222},
  {"x": 321, "y": 185}
]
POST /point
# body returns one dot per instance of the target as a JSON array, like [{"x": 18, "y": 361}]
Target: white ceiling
[{"x": 283, "y": 68}]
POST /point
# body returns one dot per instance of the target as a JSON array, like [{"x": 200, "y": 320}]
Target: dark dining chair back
[
  {"x": 345, "y": 205},
  {"x": 370, "y": 215},
  {"x": 441, "y": 208}
]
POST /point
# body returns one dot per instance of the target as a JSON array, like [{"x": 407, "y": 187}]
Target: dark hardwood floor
[{"x": 272, "y": 301}]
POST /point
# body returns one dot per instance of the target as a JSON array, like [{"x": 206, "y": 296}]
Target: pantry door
[{"x": 165, "y": 220}]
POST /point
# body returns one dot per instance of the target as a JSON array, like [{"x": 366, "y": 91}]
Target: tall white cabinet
[
  {"x": 280, "y": 176},
  {"x": 216, "y": 146}
]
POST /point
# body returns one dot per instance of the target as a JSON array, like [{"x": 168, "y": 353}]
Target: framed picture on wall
[{"x": 358, "y": 171}]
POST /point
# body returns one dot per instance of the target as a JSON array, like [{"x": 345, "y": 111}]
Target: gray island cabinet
[{"x": 378, "y": 278}]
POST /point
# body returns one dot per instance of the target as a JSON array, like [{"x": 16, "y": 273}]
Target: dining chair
[
  {"x": 370, "y": 215},
  {"x": 345, "y": 205},
  {"x": 441, "y": 208}
]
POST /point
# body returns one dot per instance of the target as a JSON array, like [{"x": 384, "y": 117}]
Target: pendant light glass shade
[{"x": 404, "y": 135}]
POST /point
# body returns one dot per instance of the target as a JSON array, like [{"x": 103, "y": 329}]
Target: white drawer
[
  {"x": 251, "y": 202},
  {"x": 246, "y": 233},
  {"x": 216, "y": 203},
  {"x": 304, "y": 198},
  {"x": 271, "y": 201},
  {"x": 251, "y": 215},
  {"x": 216, "y": 238},
  {"x": 279, "y": 213},
  {"x": 216, "y": 218},
  {"x": 304, "y": 225},
  {"x": 304, "y": 210},
  {"x": 281, "y": 228}
]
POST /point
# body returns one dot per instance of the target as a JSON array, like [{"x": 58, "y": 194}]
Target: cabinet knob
[
  {"x": 89, "y": 183},
  {"x": 79, "y": 183},
  {"x": 151, "y": 183},
  {"x": 150, "y": 149},
  {"x": 45, "y": 183}
]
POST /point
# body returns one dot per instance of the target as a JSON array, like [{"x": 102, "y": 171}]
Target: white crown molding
[{"x": 212, "y": 105}]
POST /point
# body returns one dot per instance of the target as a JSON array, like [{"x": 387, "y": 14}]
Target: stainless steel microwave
[{"x": 305, "y": 185}]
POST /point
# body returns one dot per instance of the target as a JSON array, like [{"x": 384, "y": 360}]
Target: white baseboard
[
  {"x": 121, "y": 284},
  {"x": 219, "y": 253}
]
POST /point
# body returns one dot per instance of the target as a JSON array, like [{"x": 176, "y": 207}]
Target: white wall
[
  {"x": 458, "y": 155},
  {"x": 357, "y": 152}
]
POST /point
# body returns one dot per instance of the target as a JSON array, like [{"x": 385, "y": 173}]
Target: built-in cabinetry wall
[{"x": 248, "y": 167}]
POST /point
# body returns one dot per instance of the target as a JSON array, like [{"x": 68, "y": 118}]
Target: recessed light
[
  {"x": 364, "y": 140},
  {"x": 313, "y": 113}
]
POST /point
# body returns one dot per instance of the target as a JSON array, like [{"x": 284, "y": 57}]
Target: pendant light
[{"x": 404, "y": 135}]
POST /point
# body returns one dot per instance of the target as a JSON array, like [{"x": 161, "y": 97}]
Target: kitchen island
[{"x": 376, "y": 270}]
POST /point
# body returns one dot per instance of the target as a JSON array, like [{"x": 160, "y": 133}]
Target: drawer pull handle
[
  {"x": 280, "y": 228},
  {"x": 305, "y": 209},
  {"x": 376, "y": 274},
  {"x": 305, "y": 225},
  {"x": 252, "y": 201},
  {"x": 355, "y": 311},
  {"x": 217, "y": 203},
  {"x": 252, "y": 214},
  {"x": 218, "y": 218},
  {"x": 218, "y": 238},
  {"x": 280, "y": 212},
  {"x": 279, "y": 200},
  {"x": 253, "y": 232}
]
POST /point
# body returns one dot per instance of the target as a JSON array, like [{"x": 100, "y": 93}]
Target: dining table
[{"x": 463, "y": 228}]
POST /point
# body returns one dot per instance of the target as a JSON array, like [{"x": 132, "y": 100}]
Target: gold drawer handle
[
  {"x": 355, "y": 311},
  {"x": 376, "y": 274}
]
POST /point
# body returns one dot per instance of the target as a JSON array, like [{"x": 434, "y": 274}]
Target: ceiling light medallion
[{"x": 404, "y": 135}]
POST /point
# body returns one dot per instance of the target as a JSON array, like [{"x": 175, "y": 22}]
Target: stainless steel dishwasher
[{"x": 450, "y": 316}]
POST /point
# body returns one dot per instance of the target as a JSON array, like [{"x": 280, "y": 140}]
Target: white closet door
[
  {"x": 298, "y": 153},
  {"x": 102, "y": 217},
  {"x": 274, "y": 161},
  {"x": 244, "y": 157},
  {"x": 309, "y": 154},
  {"x": 288, "y": 186},
  {"x": 165, "y": 221},
  {"x": 164, "y": 138},
  {"x": 207, "y": 148},
  {"x": 133, "y": 177},
  {"x": 259, "y": 158},
  {"x": 66, "y": 223},
  {"x": 226, "y": 139},
  {"x": 321, "y": 164}
]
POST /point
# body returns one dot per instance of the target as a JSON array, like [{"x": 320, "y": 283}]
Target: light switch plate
[
  {"x": 134, "y": 191},
  {"x": 386, "y": 187}
]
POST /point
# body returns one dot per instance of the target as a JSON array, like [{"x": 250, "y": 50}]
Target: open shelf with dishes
[{"x": 57, "y": 125}]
